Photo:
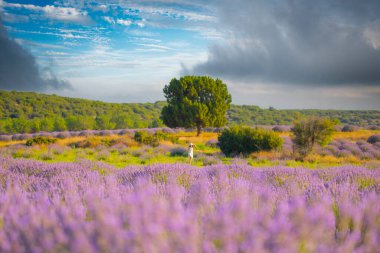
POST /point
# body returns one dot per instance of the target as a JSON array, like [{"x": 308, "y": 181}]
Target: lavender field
[
  {"x": 189, "y": 126},
  {"x": 95, "y": 207}
]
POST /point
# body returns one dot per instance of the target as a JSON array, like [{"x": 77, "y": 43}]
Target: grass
[
  {"x": 121, "y": 151},
  {"x": 361, "y": 134}
]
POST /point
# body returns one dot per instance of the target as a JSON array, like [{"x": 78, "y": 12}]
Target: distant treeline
[
  {"x": 254, "y": 115},
  {"x": 28, "y": 112}
]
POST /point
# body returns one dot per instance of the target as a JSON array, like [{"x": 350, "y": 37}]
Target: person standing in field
[{"x": 191, "y": 152}]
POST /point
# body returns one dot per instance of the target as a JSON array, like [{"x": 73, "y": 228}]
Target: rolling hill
[{"x": 22, "y": 112}]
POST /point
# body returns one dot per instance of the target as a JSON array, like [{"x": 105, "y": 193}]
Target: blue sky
[{"x": 126, "y": 51}]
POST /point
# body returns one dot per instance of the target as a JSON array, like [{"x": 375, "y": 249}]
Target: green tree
[
  {"x": 35, "y": 125},
  {"x": 307, "y": 132},
  {"x": 47, "y": 124},
  {"x": 19, "y": 125},
  {"x": 104, "y": 122},
  {"x": 4, "y": 126},
  {"x": 155, "y": 123},
  {"x": 119, "y": 118},
  {"x": 60, "y": 124},
  {"x": 196, "y": 101},
  {"x": 77, "y": 123}
]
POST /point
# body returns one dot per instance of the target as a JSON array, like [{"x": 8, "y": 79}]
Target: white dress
[{"x": 191, "y": 152}]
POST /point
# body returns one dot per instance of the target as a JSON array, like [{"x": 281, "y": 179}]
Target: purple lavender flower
[{"x": 94, "y": 207}]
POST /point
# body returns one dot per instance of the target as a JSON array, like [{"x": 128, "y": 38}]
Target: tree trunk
[{"x": 199, "y": 130}]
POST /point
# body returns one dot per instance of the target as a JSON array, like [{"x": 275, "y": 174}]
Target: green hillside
[
  {"x": 254, "y": 115},
  {"x": 22, "y": 112}
]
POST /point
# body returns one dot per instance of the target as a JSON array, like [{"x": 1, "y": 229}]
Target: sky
[{"x": 321, "y": 54}]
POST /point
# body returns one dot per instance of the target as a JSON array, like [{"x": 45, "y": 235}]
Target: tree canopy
[{"x": 196, "y": 101}]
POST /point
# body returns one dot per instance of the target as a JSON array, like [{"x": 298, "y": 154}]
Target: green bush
[
  {"x": 87, "y": 143},
  {"x": 349, "y": 128},
  {"x": 245, "y": 140},
  {"x": 144, "y": 137},
  {"x": 40, "y": 140},
  {"x": 166, "y": 136},
  {"x": 307, "y": 132}
]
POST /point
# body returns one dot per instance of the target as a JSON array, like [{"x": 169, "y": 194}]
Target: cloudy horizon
[{"x": 286, "y": 54}]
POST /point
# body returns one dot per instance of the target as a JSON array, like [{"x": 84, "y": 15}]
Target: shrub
[
  {"x": 73, "y": 133},
  {"x": 373, "y": 127},
  {"x": 178, "y": 151},
  {"x": 104, "y": 133},
  {"x": 16, "y": 137},
  {"x": 212, "y": 143},
  {"x": 281, "y": 129},
  {"x": 115, "y": 131},
  {"x": 103, "y": 155},
  {"x": 91, "y": 142},
  {"x": 153, "y": 139},
  {"x": 308, "y": 132},
  {"x": 40, "y": 140},
  {"x": 166, "y": 136},
  {"x": 22, "y": 153},
  {"x": 56, "y": 149},
  {"x": 210, "y": 160},
  {"x": 86, "y": 133},
  {"x": 374, "y": 138},
  {"x": 126, "y": 132},
  {"x": 46, "y": 156},
  {"x": 63, "y": 135},
  {"x": 168, "y": 130},
  {"x": 349, "y": 128},
  {"x": 25, "y": 137},
  {"x": 146, "y": 138},
  {"x": 5, "y": 138},
  {"x": 245, "y": 140}
]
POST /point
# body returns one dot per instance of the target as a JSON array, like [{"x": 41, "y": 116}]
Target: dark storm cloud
[
  {"x": 19, "y": 70},
  {"x": 322, "y": 42}
]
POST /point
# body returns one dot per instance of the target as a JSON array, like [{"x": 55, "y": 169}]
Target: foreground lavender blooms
[{"x": 93, "y": 207}]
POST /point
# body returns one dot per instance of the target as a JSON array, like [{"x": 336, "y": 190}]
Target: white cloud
[
  {"x": 65, "y": 14},
  {"x": 132, "y": 84},
  {"x": 141, "y": 23},
  {"x": 175, "y": 13},
  {"x": 372, "y": 34},
  {"x": 55, "y": 53},
  {"x": 109, "y": 20},
  {"x": 60, "y": 33},
  {"x": 12, "y": 18},
  {"x": 124, "y": 22},
  {"x": 102, "y": 7},
  {"x": 53, "y": 12},
  {"x": 39, "y": 45},
  {"x": 156, "y": 46}
]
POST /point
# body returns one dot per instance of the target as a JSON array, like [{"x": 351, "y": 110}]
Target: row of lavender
[
  {"x": 71, "y": 207},
  {"x": 361, "y": 149},
  {"x": 67, "y": 134},
  {"x": 131, "y": 132}
]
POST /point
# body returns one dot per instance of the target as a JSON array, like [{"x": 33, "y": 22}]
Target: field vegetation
[
  {"x": 28, "y": 112},
  {"x": 311, "y": 187},
  {"x": 162, "y": 145},
  {"x": 94, "y": 207},
  {"x": 133, "y": 190}
]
